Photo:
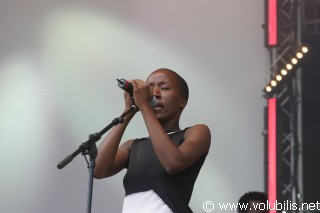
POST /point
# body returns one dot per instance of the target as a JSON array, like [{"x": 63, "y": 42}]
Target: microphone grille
[{"x": 154, "y": 102}]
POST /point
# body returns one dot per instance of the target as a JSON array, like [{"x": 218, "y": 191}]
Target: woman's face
[{"x": 165, "y": 88}]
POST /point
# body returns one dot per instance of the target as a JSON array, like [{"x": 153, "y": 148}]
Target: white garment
[{"x": 144, "y": 202}]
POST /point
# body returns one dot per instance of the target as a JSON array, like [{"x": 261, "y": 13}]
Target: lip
[{"x": 158, "y": 107}]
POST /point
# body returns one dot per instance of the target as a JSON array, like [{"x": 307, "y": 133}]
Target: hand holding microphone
[{"x": 128, "y": 87}]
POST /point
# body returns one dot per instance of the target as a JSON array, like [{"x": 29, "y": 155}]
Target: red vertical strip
[
  {"x": 272, "y": 154},
  {"x": 272, "y": 23}
]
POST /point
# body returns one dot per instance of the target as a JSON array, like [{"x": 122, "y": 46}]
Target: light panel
[
  {"x": 272, "y": 154},
  {"x": 272, "y": 23}
]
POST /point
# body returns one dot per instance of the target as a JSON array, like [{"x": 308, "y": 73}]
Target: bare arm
[{"x": 111, "y": 159}]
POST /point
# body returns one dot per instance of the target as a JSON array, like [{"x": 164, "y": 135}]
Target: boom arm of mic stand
[{"x": 93, "y": 138}]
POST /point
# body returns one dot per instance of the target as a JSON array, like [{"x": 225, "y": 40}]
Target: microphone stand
[{"x": 89, "y": 148}]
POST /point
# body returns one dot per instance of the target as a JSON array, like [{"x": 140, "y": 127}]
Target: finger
[
  {"x": 140, "y": 82},
  {"x": 137, "y": 83},
  {"x": 134, "y": 83}
]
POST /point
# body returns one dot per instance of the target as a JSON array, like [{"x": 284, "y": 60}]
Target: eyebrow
[{"x": 159, "y": 84}]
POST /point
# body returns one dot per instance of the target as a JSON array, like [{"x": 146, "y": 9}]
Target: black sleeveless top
[{"x": 146, "y": 173}]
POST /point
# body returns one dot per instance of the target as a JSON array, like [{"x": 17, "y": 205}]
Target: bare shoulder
[
  {"x": 199, "y": 135},
  {"x": 126, "y": 145},
  {"x": 198, "y": 129}
]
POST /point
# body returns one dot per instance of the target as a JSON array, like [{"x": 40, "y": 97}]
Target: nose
[{"x": 156, "y": 92}]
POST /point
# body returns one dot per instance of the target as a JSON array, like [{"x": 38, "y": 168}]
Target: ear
[{"x": 183, "y": 103}]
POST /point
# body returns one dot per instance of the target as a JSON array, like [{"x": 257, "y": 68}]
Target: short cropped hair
[
  {"x": 249, "y": 197},
  {"x": 183, "y": 86}
]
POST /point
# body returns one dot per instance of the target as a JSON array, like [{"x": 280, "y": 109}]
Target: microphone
[{"x": 127, "y": 86}]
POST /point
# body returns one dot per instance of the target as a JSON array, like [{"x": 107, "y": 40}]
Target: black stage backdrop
[{"x": 311, "y": 120}]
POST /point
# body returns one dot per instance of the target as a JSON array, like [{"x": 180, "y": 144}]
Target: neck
[
  {"x": 170, "y": 127},
  {"x": 171, "y": 124}
]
